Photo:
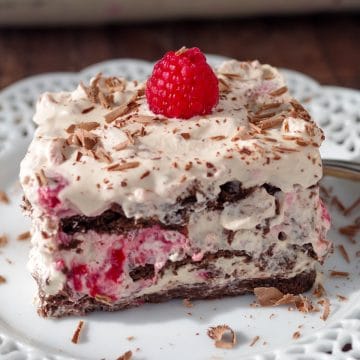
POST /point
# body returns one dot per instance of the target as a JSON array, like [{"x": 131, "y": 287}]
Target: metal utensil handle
[{"x": 340, "y": 168}]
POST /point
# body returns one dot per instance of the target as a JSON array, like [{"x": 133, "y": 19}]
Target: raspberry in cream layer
[{"x": 129, "y": 206}]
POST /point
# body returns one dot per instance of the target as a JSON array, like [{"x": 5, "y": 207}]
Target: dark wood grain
[{"x": 325, "y": 47}]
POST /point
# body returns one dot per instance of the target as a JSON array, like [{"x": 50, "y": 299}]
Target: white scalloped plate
[{"x": 170, "y": 330}]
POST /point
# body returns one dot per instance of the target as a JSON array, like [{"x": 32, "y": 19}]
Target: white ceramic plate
[{"x": 170, "y": 330}]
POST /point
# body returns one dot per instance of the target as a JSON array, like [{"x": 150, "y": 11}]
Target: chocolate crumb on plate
[
  {"x": 350, "y": 231},
  {"x": 325, "y": 303},
  {"x": 254, "y": 340},
  {"x": 224, "y": 336},
  {"x": 3, "y": 240},
  {"x": 130, "y": 338},
  {"x": 341, "y": 297},
  {"x": 319, "y": 290},
  {"x": 267, "y": 296},
  {"x": 270, "y": 296},
  {"x": 296, "y": 335},
  {"x": 2, "y": 280},
  {"x": 344, "y": 253},
  {"x": 126, "y": 356},
  {"x": 4, "y": 198},
  {"x": 336, "y": 273},
  {"x": 76, "y": 336},
  {"x": 187, "y": 303},
  {"x": 24, "y": 236}
]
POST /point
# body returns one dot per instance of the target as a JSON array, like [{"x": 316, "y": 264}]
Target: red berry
[
  {"x": 77, "y": 274},
  {"x": 182, "y": 85},
  {"x": 117, "y": 258},
  {"x": 48, "y": 197}
]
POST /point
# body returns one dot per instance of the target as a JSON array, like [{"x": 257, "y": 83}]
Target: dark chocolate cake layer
[{"x": 59, "y": 305}]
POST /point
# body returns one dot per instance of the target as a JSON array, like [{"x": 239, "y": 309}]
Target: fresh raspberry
[{"x": 182, "y": 85}]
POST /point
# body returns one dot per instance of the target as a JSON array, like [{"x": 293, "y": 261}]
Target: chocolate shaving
[
  {"x": 304, "y": 304},
  {"x": 92, "y": 91},
  {"x": 224, "y": 336},
  {"x": 70, "y": 129},
  {"x": 279, "y": 91},
  {"x": 181, "y": 50},
  {"x": 143, "y": 119},
  {"x": 187, "y": 303},
  {"x": 3, "y": 197},
  {"x": 188, "y": 166},
  {"x": 350, "y": 230},
  {"x": 130, "y": 137},
  {"x": 24, "y": 236},
  {"x": 88, "y": 126},
  {"x": 344, "y": 253},
  {"x": 255, "y": 128},
  {"x": 121, "y": 146},
  {"x": 126, "y": 356},
  {"x": 186, "y": 136},
  {"x": 325, "y": 303},
  {"x": 78, "y": 156},
  {"x": 125, "y": 166},
  {"x": 2, "y": 279},
  {"x": 223, "y": 85},
  {"x": 232, "y": 75},
  {"x": 73, "y": 140},
  {"x": 270, "y": 296},
  {"x": 106, "y": 101},
  {"x": 145, "y": 174},
  {"x": 336, "y": 273},
  {"x": 284, "y": 149},
  {"x": 319, "y": 291},
  {"x": 268, "y": 106},
  {"x": 102, "y": 155},
  {"x": 341, "y": 297},
  {"x": 88, "y": 109},
  {"x": 117, "y": 112},
  {"x": 87, "y": 139},
  {"x": 3, "y": 240},
  {"x": 41, "y": 178},
  {"x": 301, "y": 142},
  {"x": 303, "y": 114},
  {"x": 270, "y": 123},
  {"x": 267, "y": 296},
  {"x": 76, "y": 337},
  {"x": 218, "y": 137},
  {"x": 254, "y": 340},
  {"x": 115, "y": 84},
  {"x": 260, "y": 116}
]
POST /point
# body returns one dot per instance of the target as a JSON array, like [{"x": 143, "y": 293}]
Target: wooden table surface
[{"x": 325, "y": 47}]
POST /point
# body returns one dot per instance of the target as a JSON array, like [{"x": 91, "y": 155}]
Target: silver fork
[{"x": 341, "y": 168}]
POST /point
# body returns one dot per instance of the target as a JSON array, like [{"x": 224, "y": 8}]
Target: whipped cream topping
[{"x": 118, "y": 151}]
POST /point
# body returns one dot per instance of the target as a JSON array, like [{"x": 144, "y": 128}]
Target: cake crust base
[{"x": 59, "y": 305}]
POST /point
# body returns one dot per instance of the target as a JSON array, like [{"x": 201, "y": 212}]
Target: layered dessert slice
[{"x": 130, "y": 204}]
